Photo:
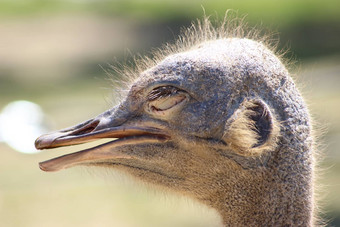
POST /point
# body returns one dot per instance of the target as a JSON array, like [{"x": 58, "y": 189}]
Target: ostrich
[{"x": 215, "y": 117}]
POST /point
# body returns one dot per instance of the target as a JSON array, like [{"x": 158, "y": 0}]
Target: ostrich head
[{"x": 215, "y": 117}]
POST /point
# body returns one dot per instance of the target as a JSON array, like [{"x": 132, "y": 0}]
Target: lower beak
[{"x": 93, "y": 130}]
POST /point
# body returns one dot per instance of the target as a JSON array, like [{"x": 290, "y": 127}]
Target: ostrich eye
[{"x": 164, "y": 100}]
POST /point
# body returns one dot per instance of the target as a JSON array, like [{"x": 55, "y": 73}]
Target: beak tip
[
  {"x": 42, "y": 167},
  {"x": 37, "y": 143},
  {"x": 45, "y": 168},
  {"x": 43, "y": 142}
]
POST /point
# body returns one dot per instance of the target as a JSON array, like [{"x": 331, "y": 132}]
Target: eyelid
[
  {"x": 165, "y": 107},
  {"x": 167, "y": 103}
]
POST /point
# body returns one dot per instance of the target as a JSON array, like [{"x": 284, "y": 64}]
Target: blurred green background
[{"x": 55, "y": 53}]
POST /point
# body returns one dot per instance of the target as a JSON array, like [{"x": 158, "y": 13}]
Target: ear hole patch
[
  {"x": 262, "y": 123},
  {"x": 251, "y": 129}
]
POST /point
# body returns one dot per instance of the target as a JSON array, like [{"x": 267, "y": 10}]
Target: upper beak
[{"x": 103, "y": 126}]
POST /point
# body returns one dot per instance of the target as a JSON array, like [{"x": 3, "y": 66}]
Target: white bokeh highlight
[{"x": 21, "y": 122}]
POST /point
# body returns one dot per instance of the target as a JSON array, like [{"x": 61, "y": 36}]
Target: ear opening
[
  {"x": 262, "y": 122},
  {"x": 252, "y": 128}
]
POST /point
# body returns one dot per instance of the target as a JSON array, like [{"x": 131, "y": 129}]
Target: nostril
[{"x": 86, "y": 128}]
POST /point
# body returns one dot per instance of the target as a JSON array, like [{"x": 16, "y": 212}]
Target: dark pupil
[{"x": 162, "y": 92}]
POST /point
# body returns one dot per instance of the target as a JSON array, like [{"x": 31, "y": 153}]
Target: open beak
[{"x": 103, "y": 126}]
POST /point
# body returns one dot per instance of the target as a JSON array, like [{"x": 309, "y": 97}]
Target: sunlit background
[{"x": 53, "y": 58}]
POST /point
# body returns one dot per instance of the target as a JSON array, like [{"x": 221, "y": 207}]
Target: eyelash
[{"x": 162, "y": 92}]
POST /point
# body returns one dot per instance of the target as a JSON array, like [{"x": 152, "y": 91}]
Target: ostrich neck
[
  {"x": 273, "y": 197},
  {"x": 279, "y": 192}
]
